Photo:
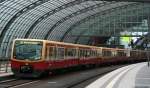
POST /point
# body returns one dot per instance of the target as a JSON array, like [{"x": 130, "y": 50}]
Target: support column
[
  {"x": 148, "y": 36},
  {"x": 148, "y": 22}
]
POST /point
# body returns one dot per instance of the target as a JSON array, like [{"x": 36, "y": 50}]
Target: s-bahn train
[{"x": 33, "y": 57}]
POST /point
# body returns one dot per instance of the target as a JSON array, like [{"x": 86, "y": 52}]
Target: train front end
[{"x": 27, "y": 59}]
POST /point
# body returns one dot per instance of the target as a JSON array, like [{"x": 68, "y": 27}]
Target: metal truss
[
  {"x": 2, "y": 1},
  {"x": 22, "y": 11},
  {"x": 118, "y": 35},
  {"x": 30, "y": 7},
  {"x": 111, "y": 33},
  {"x": 90, "y": 17},
  {"x": 48, "y": 14},
  {"x": 77, "y": 39},
  {"x": 128, "y": 0},
  {"x": 105, "y": 25},
  {"x": 73, "y": 15}
]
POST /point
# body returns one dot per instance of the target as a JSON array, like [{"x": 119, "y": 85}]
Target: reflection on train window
[
  {"x": 60, "y": 52},
  {"x": 30, "y": 50}
]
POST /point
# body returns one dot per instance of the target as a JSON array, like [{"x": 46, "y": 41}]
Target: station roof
[{"x": 67, "y": 20}]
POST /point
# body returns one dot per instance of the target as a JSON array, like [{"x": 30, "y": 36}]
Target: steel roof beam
[
  {"x": 112, "y": 32},
  {"x": 127, "y": 0},
  {"x": 116, "y": 22},
  {"x": 51, "y": 13},
  {"x": 77, "y": 39},
  {"x": 128, "y": 26},
  {"x": 22, "y": 11},
  {"x": 86, "y": 19},
  {"x": 80, "y": 35},
  {"x": 73, "y": 15},
  {"x": 108, "y": 17},
  {"x": 2, "y": 1}
]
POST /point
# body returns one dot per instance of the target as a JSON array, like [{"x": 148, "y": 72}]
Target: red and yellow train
[{"x": 33, "y": 57}]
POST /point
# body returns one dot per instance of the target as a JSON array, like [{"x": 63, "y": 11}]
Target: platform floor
[
  {"x": 5, "y": 72},
  {"x": 132, "y": 76}
]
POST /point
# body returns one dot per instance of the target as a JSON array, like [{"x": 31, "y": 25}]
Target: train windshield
[{"x": 27, "y": 50}]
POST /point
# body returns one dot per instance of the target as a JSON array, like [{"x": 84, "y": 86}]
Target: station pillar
[{"x": 148, "y": 39}]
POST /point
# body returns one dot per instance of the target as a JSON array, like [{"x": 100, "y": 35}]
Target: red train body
[{"x": 33, "y": 57}]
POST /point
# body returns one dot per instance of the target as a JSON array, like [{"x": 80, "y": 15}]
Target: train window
[
  {"x": 114, "y": 52},
  {"x": 81, "y": 53},
  {"x": 99, "y": 52},
  {"x": 84, "y": 53},
  {"x": 47, "y": 53},
  {"x": 96, "y": 53},
  {"x": 87, "y": 53},
  {"x": 70, "y": 53},
  {"x": 93, "y": 53},
  {"x": 28, "y": 50},
  {"x": 121, "y": 53},
  {"x": 60, "y": 52},
  {"x": 51, "y": 53},
  {"x": 106, "y": 52},
  {"x": 127, "y": 53}
]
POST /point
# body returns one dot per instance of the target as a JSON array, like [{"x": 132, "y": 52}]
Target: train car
[
  {"x": 34, "y": 57},
  {"x": 27, "y": 58}
]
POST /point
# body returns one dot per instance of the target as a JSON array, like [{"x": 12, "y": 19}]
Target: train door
[
  {"x": 127, "y": 52},
  {"x": 99, "y": 52},
  {"x": 60, "y": 55},
  {"x": 51, "y": 53},
  {"x": 60, "y": 61}
]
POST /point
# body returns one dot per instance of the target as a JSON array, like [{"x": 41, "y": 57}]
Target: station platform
[
  {"x": 132, "y": 76},
  {"x": 5, "y": 74}
]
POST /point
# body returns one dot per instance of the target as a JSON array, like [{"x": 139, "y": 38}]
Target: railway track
[
  {"x": 77, "y": 79},
  {"x": 84, "y": 82},
  {"x": 13, "y": 83}
]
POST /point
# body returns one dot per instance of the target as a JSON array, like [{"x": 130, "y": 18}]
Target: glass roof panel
[{"x": 65, "y": 18}]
